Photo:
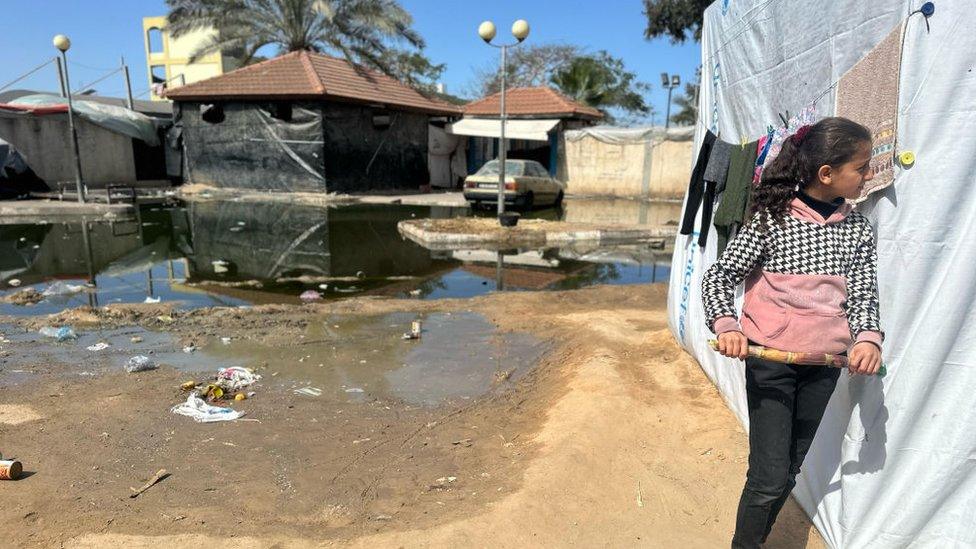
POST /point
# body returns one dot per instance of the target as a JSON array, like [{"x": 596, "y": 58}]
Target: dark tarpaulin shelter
[{"x": 305, "y": 122}]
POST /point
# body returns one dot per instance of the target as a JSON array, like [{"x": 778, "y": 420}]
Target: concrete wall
[
  {"x": 648, "y": 169},
  {"x": 621, "y": 211},
  {"x": 106, "y": 156}
]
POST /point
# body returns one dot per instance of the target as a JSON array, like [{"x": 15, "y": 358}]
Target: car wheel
[
  {"x": 528, "y": 200},
  {"x": 559, "y": 200}
]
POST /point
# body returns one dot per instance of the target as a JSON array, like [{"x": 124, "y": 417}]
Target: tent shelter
[{"x": 892, "y": 464}]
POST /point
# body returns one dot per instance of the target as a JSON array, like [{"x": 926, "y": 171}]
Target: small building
[
  {"x": 536, "y": 118},
  {"x": 306, "y": 122},
  {"x": 116, "y": 145}
]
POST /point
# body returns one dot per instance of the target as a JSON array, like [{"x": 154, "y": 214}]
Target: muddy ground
[{"x": 614, "y": 438}]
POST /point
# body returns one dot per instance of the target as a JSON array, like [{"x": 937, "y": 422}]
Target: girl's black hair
[{"x": 832, "y": 141}]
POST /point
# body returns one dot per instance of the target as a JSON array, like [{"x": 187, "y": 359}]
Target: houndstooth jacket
[{"x": 811, "y": 283}]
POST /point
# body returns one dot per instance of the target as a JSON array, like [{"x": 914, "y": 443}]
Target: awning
[{"x": 532, "y": 130}]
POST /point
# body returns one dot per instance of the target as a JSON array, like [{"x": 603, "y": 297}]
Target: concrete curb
[
  {"x": 423, "y": 232},
  {"x": 22, "y": 211}
]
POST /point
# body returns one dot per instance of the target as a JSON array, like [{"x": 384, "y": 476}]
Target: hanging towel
[
  {"x": 700, "y": 192},
  {"x": 731, "y": 211},
  {"x": 868, "y": 94}
]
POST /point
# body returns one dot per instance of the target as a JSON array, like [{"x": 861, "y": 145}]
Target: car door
[{"x": 543, "y": 184}]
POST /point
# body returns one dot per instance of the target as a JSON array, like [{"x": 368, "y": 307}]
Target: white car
[{"x": 527, "y": 184}]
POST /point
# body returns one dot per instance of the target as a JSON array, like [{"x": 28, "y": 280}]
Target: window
[
  {"x": 154, "y": 37},
  {"x": 158, "y": 73},
  {"x": 536, "y": 170},
  {"x": 281, "y": 111},
  {"x": 381, "y": 120},
  {"x": 212, "y": 113},
  {"x": 512, "y": 167}
]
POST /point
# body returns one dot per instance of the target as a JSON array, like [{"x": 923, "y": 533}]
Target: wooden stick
[
  {"x": 806, "y": 359},
  {"x": 160, "y": 475}
]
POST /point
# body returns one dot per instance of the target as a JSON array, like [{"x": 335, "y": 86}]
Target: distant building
[
  {"x": 306, "y": 122},
  {"x": 168, "y": 59},
  {"x": 536, "y": 118}
]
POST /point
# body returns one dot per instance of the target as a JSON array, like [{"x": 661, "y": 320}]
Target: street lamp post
[
  {"x": 670, "y": 83},
  {"x": 520, "y": 30},
  {"x": 63, "y": 43}
]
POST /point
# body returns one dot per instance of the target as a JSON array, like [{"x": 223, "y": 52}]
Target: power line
[
  {"x": 80, "y": 89},
  {"x": 25, "y": 75}
]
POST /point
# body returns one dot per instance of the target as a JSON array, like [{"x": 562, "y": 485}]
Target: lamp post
[
  {"x": 63, "y": 43},
  {"x": 486, "y": 30},
  {"x": 669, "y": 82}
]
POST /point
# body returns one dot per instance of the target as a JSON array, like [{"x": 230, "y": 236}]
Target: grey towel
[{"x": 718, "y": 164}]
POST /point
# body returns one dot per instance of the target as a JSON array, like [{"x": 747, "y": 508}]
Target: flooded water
[
  {"x": 240, "y": 253},
  {"x": 458, "y": 356}
]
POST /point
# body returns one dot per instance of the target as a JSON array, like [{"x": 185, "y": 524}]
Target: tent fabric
[
  {"x": 11, "y": 161},
  {"x": 446, "y": 158},
  {"x": 892, "y": 464},
  {"x": 618, "y": 136},
  {"x": 531, "y": 130},
  {"x": 118, "y": 119}
]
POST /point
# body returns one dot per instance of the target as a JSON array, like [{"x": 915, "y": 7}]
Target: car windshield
[{"x": 511, "y": 168}]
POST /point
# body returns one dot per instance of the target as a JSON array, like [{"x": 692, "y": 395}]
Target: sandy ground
[{"x": 615, "y": 439}]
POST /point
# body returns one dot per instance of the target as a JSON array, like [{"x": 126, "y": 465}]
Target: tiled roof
[
  {"x": 309, "y": 75},
  {"x": 531, "y": 101}
]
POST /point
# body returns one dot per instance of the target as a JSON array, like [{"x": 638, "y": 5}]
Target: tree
[
  {"x": 688, "y": 103},
  {"x": 674, "y": 18},
  {"x": 528, "y": 65},
  {"x": 371, "y": 33},
  {"x": 601, "y": 81}
]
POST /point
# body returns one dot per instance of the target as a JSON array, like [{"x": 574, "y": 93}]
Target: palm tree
[
  {"x": 584, "y": 81},
  {"x": 365, "y": 32},
  {"x": 602, "y": 82}
]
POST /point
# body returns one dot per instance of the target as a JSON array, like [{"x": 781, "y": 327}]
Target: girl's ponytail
[
  {"x": 832, "y": 141},
  {"x": 778, "y": 185}
]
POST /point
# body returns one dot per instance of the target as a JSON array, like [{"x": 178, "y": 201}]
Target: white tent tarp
[
  {"x": 894, "y": 461},
  {"x": 532, "y": 130},
  {"x": 619, "y": 135}
]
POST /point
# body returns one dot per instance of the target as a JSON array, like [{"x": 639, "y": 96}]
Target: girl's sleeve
[
  {"x": 862, "y": 291},
  {"x": 743, "y": 255}
]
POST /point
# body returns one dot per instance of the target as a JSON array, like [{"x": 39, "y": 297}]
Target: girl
[{"x": 809, "y": 264}]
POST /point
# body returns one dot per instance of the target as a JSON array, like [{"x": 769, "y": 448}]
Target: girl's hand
[
  {"x": 865, "y": 359},
  {"x": 733, "y": 345}
]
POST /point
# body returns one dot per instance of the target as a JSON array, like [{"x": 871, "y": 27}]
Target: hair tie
[{"x": 801, "y": 134}]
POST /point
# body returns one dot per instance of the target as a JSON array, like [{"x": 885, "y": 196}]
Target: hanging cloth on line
[
  {"x": 707, "y": 181},
  {"x": 731, "y": 212}
]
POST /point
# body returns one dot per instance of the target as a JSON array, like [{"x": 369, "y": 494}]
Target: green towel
[{"x": 731, "y": 210}]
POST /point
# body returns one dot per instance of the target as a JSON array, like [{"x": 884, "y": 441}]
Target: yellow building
[{"x": 168, "y": 58}]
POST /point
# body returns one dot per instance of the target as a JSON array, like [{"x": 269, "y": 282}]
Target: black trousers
[
  {"x": 700, "y": 193},
  {"x": 786, "y": 404}
]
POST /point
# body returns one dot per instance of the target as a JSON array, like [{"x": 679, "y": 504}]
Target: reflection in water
[{"x": 235, "y": 253}]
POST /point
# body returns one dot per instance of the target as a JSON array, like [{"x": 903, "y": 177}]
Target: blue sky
[{"x": 101, "y": 35}]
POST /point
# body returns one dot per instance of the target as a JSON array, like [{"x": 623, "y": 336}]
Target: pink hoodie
[{"x": 810, "y": 283}]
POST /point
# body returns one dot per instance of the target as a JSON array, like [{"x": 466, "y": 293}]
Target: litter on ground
[{"x": 202, "y": 412}]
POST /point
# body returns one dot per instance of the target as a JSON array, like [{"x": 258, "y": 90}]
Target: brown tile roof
[
  {"x": 309, "y": 75},
  {"x": 531, "y": 101}
]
